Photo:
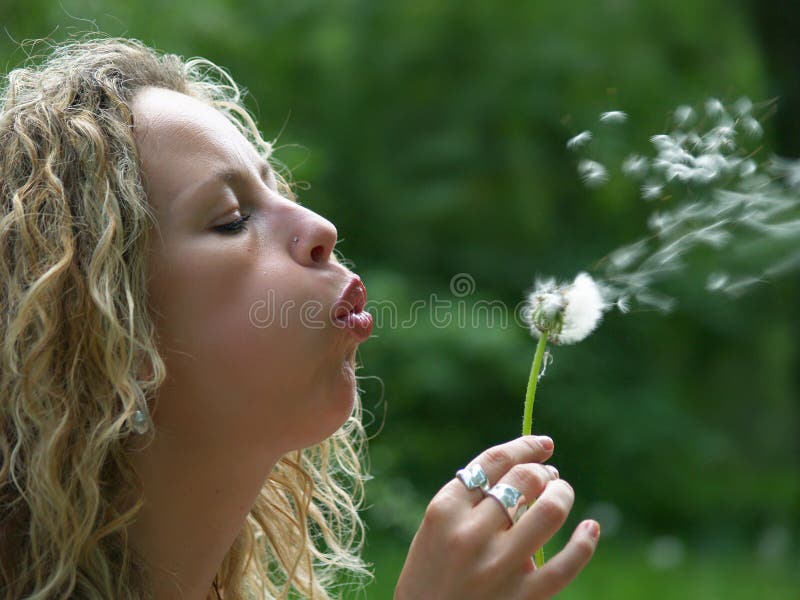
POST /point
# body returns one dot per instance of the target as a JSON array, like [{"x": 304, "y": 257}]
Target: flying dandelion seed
[
  {"x": 714, "y": 108},
  {"x": 743, "y": 106},
  {"x": 752, "y": 127},
  {"x": 635, "y": 166},
  {"x": 583, "y": 138},
  {"x": 614, "y": 117},
  {"x": 713, "y": 194},
  {"x": 789, "y": 170},
  {"x": 592, "y": 173},
  {"x": 651, "y": 191},
  {"x": 683, "y": 114}
]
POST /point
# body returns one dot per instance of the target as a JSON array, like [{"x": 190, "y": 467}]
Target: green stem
[{"x": 527, "y": 419}]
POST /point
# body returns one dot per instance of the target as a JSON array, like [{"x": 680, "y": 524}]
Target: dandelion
[
  {"x": 563, "y": 314},
  {"x": 613, "y": 116},
  {"x": 566, "y": 314},
  {"x": 592, "y": 172},
  {"x": 583, "y": 138}
]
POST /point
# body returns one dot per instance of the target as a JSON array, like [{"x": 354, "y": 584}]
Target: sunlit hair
[{"x": 77, "y": 336}]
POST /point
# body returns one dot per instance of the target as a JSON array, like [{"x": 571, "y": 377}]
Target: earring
[{"x": 139, "y": 422}]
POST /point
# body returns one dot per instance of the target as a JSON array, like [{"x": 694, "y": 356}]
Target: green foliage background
[{"x": 432, "y": 134}]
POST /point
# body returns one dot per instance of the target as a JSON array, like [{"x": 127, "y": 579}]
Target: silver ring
[
  {"x": 511, "y": 499},
  {"x": 474, "y": 476}
]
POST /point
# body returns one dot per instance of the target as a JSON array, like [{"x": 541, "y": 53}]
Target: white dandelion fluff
[
  {"x": 664, "y": 143},
  {"x": 747, "y": 168},
  {"x": 752, "y": 127},
  {"x": 714, "y": 107},
  {"x": 566, "y": 314},
  {"x": 592, "y": 172},
  {"x": 583, "y": 138},
  {"x": 635, "y": 165},
  {"x": 743, "y": 106},
  {"x": 788, "y": 169},
  {"x": 716, "y": 281},
  {"x": 651, "y": 191},
  {"x": 683, "y": 114},
  {"x": 613, "y": 116}
]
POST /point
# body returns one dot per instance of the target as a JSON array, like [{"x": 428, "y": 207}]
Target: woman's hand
[{"x": 467, "y": 549}]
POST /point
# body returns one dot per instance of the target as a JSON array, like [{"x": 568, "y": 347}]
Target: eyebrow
[{"x": 231, "y": 177}]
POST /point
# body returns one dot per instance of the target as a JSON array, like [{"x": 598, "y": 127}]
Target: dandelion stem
[{"x": 527, "y": 419}]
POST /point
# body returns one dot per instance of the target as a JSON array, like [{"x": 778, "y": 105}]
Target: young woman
[{"x": 178, "y": 409}]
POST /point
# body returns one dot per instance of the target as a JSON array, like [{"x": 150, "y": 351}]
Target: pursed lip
[
  {"x": 348, "y": 311},
  {"x": 352, "y": 299}
]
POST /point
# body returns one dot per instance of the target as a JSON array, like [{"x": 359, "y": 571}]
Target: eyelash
[{"x": 234, "y": 226}]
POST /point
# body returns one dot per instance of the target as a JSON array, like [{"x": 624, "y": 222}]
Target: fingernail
[
  {"x": 593, "y": 528},
  {"x": 553, "y": 471},
  {"x": 546, "y": 442}
]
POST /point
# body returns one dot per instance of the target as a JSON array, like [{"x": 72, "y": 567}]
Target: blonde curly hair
[{"x": 77, "y": 335}]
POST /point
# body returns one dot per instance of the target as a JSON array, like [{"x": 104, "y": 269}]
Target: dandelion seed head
[
  {"x": 583, "y": 311},
  {"x": 583, "y": 138},
  {"x": 567, "y": 313},
  {"x": 613, "y": 116},
  {"x": 592, "y": 173}
]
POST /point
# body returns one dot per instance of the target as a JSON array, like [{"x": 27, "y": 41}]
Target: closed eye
[{"x": 234, "y": 226}]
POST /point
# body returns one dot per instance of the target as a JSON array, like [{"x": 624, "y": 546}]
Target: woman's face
[{"x": 243, "y": 317}]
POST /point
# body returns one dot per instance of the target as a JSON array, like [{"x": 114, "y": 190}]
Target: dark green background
[{"x": 432, "y": 134}]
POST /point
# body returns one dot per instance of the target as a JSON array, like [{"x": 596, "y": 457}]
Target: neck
[{"x": 197, "y": 498}]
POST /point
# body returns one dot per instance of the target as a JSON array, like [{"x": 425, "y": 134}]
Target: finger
[
  {"x": 564, "y": 566},
  {"x": 530, "y": 479},
  {"x": 496, "y": 461},
  {"x": 543, "y": 519}
]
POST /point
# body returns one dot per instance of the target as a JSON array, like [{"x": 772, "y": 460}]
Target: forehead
[{"x": 181, "y": 139}]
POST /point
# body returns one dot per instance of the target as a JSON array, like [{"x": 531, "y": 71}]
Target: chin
[{"x": 335, "y": 404}]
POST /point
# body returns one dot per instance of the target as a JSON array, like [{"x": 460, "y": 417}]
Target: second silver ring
[{"x": 510, "y": 499}]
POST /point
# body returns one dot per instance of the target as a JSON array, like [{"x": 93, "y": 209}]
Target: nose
[{"x": 313, "y": 240}]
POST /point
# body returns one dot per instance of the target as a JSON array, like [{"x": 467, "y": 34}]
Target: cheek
[{"x": 242, "y": 324}]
